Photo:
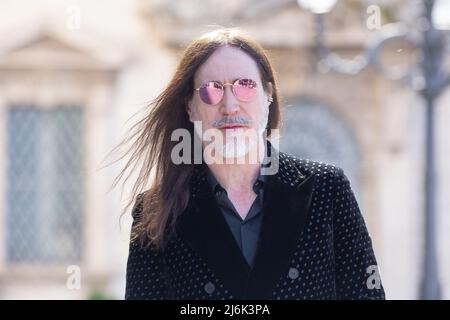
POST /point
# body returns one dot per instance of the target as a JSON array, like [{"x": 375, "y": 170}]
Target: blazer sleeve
[
  {"x": 357, "y": 273},
  {"x": 145, "y": 275}
]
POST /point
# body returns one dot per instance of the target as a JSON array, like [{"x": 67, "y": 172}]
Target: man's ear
[
  {"x": 269, "y": 89},
  {"x": 189, "y": 109}
]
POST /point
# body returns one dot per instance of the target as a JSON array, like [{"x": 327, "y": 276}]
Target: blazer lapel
[
  {"x": 203, "y": 226},
  {"x": 287, "y": 203},
  {"x": 287, "y": 197}
]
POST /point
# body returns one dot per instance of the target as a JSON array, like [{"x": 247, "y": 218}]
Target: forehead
[{"x": 226, "y": 64}]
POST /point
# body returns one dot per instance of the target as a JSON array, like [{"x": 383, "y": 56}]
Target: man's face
[{"x": 226, "y": 65}]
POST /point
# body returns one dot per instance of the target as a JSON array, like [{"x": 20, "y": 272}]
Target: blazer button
[
  {"x": 293, "y": 273},
  {"x": 209, "y": 287}
]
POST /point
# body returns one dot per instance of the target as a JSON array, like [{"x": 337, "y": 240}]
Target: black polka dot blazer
[{"x": 314, "y": 244}]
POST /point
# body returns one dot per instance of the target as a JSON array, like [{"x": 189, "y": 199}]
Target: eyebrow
[{"x": 232, "y": 81}]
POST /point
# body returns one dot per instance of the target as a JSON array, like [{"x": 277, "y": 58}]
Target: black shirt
[{"x": 245, "y": 231}]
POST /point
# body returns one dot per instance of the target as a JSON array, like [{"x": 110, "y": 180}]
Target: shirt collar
[
  {"x": 215, "y": 185},
  {"x": 257, "y": 186}
]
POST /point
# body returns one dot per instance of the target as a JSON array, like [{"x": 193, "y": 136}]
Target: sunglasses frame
[{"x": 223, "y": 89}]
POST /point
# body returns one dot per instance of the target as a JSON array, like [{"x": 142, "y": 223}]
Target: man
[{"x": 247, "y": 221}]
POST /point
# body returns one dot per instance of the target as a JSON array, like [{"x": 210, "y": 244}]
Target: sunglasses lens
[
  {"x": 211, "y": 93},
  {"x": 245, "y": 89}
]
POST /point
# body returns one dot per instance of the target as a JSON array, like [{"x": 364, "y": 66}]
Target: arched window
[
  {"x": 44, "y": 184},
  {"x": 312, "y": 131}
]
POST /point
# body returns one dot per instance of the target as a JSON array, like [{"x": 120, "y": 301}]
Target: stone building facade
[{"x": 72, "y": 74}]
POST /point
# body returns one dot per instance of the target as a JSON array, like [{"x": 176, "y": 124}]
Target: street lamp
[
  {"x": 317, "y": 6},
  {"x": 428, "y": 78}
]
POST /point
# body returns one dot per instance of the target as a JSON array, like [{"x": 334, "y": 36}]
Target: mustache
[{"x": 235, "y": 119}]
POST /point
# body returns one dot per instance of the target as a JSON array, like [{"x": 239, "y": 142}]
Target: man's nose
[{"x": 229, "y": 103}]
